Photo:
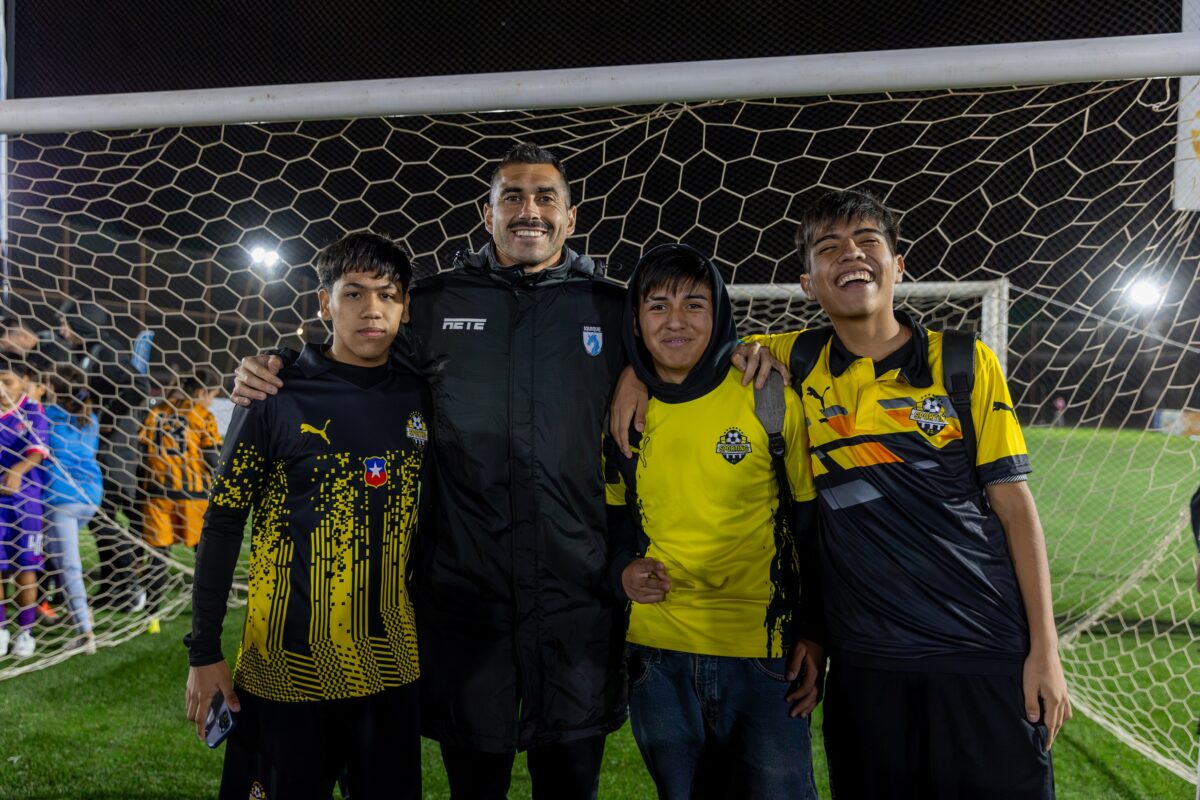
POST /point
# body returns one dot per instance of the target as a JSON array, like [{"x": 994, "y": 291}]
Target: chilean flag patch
[{"x": 375, "y": 471}]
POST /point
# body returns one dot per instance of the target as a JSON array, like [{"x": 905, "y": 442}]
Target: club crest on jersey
[
  {"x": 733, "y": 446},
  {"x": 593, "y": 339},
  {"x": 375, "y": 471},
  {"x": 258, "y": 791},
  {"x": 929, "y": 415},
  {"x": 415, "y": 428}
]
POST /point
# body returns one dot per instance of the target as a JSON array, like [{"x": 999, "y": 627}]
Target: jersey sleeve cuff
[
  {"x": 1010, "y": 469},
  {"x": 36, "y": 449}
]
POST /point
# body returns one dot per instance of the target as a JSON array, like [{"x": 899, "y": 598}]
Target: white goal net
[{"x": 1054, "y": 202}]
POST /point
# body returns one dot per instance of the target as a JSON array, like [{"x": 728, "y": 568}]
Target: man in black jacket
[{"x": 521, "y": 640}]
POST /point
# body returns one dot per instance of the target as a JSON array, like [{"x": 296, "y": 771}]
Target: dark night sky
[{"x": 69, "y": 47}]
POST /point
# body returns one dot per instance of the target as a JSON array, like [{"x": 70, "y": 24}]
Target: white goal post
[{"x": 992, "y": 297}]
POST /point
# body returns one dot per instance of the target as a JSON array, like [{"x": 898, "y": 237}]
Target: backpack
[{"x": 958, "y": 373}]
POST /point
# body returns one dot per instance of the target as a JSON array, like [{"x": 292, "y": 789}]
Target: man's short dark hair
[
  {"x": 669, "y": 269},
  {"x": 198, "y": 380},
  {"x": 840, "y": 207},
  {"x": 367, "y": 253},
  {"x": 523, "y": 153}
]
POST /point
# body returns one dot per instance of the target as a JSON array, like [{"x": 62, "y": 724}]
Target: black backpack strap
[
  {"x": 805, "y": 352},
  {"x": 958, "y": 374},
  {"x": 770, "y": 407}
]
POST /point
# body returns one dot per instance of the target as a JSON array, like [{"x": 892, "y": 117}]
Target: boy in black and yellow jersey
[
  {"x": 717, "y": 587},
  {"x": 327, "y": 669},
  {"x": 945, "y": 679}
]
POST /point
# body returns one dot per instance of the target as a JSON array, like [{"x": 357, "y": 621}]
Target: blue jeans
[
  {"x": 62, "y": 551},
  {"x": 711, "y": 726}
]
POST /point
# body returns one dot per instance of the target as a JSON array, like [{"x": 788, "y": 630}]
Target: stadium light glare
[{"x": 1145, "y": 293}]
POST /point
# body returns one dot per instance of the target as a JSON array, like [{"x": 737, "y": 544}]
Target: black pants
[
  {"x": 932, "y": 735},
  {"x": 567, "y": 771},
  {"x": 298, "y": 751}
]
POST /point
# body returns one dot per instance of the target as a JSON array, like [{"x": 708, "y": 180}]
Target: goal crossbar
[{"x": 1010, "y": 64}]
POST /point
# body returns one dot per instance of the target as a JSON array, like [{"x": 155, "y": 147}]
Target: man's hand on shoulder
[
  {"x": 255, "y": 378},
  {"x": 756, "y": 363},
  {"x": 629, "y": 402}
]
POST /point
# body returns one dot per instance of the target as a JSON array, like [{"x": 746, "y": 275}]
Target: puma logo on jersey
[
  {"x": 997, "y": 405},
  {"x": 306, "y": 428},
  {"x": 820, "y": 398}
]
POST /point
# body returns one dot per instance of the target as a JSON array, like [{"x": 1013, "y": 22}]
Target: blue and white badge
[{"x": 593, "y": 339}]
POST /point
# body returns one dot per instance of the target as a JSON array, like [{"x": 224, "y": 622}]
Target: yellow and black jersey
[
  {"x": 707, "y": 496},
  {"x": 176, "y": 439},
  {"x": 916, "y": 569},
  {"x": 331, "y": 469}
]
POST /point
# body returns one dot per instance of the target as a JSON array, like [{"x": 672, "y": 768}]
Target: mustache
[{"x": 528, "y": 223}]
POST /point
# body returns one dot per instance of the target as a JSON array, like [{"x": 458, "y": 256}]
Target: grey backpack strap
[
  {"x": 958, "y": 373},
  {"x": 770, "y": 407}
]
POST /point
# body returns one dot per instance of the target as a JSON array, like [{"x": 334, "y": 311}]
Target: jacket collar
[
  {"x": 913, "y": 356},
  {"x": 483, "y": 262}
]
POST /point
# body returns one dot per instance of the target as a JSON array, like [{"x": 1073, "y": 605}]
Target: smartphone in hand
[{"x": 219, "y": 723}]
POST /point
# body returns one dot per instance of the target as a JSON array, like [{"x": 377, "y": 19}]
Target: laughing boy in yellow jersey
[{"x": 716, "y": 592}]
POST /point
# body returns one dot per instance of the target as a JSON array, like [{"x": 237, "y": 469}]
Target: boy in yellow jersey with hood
[{"x": 715, "y": 560}]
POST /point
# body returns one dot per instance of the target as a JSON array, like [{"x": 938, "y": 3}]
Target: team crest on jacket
[
  {"x": 375, "y": 471},
  {"x": 930, "y": 416},
  {"x": 733, "y": 446},
  {"x": 593, "y": 339},
  {"x": 415, "y": 428}
]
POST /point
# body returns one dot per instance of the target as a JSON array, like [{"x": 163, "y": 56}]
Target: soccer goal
[{"x": 1040, "y": 212}]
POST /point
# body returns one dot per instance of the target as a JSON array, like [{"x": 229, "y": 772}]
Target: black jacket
[{"x": 521, "y": 639}]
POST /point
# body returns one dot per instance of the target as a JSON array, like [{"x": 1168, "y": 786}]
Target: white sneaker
[
  {"x": 4, "y": 637},
  {"x": 23, "y": 645},
  {"x": 139, "y": 602}
]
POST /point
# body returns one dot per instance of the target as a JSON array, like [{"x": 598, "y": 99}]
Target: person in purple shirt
[{"x": 23, "y": 436}]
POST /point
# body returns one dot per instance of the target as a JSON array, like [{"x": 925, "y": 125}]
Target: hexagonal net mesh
[{"x": 1064, "y": 192}]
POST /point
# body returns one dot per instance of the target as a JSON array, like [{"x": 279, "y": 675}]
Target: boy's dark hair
[
  {"x": 523, "y": 153},
  {"x": 840, "y": 207},
  {"x": 363, "y": 252},
  {"x": 201, "y": 379},
  {"x": 677, "y": 268}
]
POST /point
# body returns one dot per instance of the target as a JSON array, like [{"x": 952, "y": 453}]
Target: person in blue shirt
[{"x": 73, "y": 489}]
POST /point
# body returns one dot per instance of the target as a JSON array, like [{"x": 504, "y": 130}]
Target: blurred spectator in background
[
  {"x": 15, "y": 338},
  {"x": 181, "y": 444},
  {"x": 119, "y": 386},
  {"x": 73, "y": 489},
  {"x": 23, "y": 437}
]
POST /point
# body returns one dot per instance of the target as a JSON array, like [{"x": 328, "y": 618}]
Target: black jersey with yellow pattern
[
  {"x": 916, "y": 568},
  {"x": 331, "y": 469}
]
